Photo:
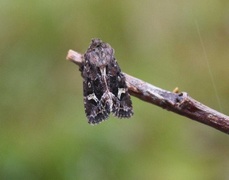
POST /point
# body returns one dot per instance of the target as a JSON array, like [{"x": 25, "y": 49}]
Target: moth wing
[
  {"x": 122, "y": 105},
  {"x": 96, "y": 108}
]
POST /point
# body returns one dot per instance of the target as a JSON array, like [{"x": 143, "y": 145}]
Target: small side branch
[{"x": 179, "y": 103}]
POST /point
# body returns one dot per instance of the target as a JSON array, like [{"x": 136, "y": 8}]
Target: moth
[{"x": 104, "y": 85}]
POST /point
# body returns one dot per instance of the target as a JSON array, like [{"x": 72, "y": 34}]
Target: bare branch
[{"x": 179, "y": 103}]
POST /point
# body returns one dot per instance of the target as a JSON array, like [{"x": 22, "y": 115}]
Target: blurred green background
[{"x": 44, "y": 133}]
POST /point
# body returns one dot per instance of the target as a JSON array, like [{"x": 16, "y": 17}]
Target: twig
[{"x": 179, "y": 103}]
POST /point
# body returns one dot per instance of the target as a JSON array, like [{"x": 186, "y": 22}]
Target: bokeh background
[{"x": 44, "y": 133}]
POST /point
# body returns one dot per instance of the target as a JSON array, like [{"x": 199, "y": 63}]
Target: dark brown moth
[{"x": 104, "y": 86}]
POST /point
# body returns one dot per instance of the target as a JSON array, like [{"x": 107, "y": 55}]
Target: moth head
[{"x": 99, "y": 53}]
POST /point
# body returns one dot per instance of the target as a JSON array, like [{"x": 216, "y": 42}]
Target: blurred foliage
[{"x": 44, "y": 133}]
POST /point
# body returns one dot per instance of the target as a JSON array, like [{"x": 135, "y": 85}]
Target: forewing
[
  {"x": 96, "y": 108},
  {"x": 122, "y": 105}
]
